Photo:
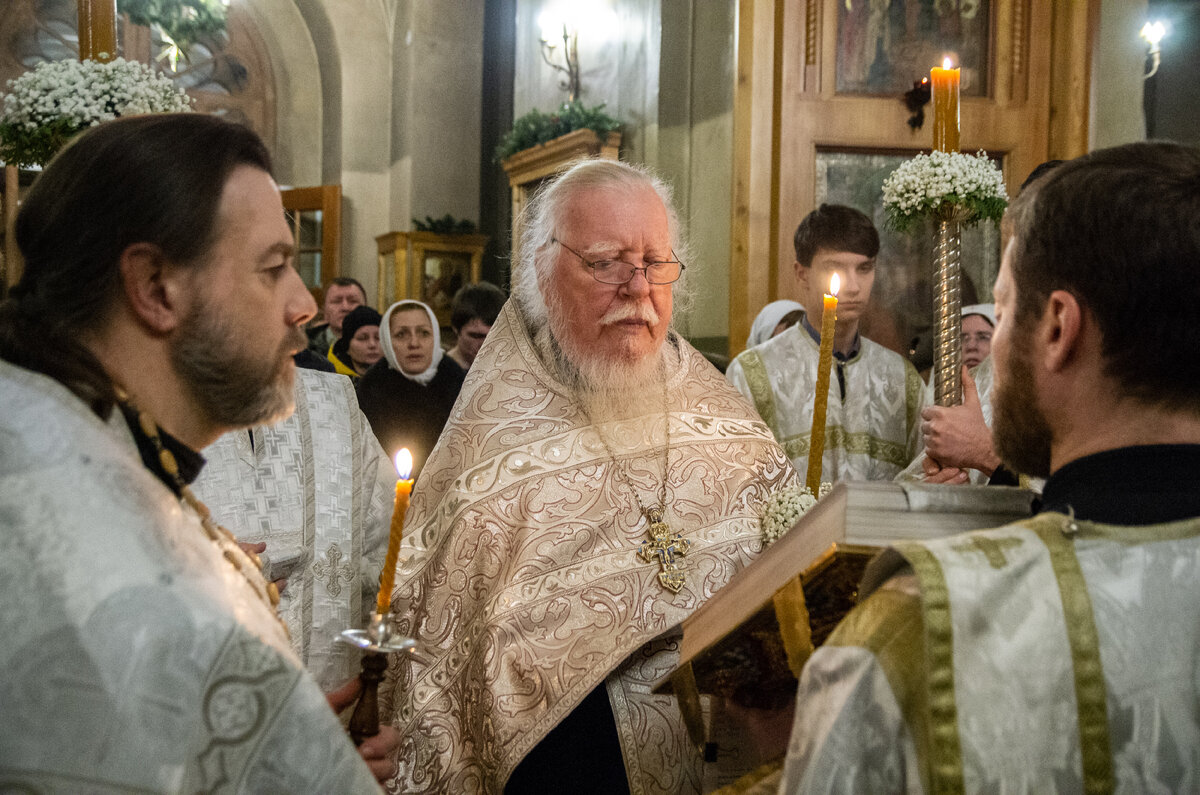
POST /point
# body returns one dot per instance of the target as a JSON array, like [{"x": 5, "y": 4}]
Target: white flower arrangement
[
  {"x": 58, "y": 99},
  {"x": 944, "y": 186},
  {"x": 784, "y": 508}
]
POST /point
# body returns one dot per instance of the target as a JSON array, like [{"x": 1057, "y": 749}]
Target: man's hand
[
  {"x": 934, "y": 473},
  {"x": 956, "y": 436},
  {"x": 257, "y": 549},
  {"x": 377, "y": 750}
]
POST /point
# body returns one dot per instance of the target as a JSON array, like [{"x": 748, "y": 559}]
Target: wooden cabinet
[
  {"x": 528, "y": 168},
  {"x": 428, "y": 267}
]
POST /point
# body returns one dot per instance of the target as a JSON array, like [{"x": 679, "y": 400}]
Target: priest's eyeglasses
[{"x": 615, "y": 271}]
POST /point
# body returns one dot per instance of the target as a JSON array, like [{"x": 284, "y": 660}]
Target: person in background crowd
[
  {"x": 408, "y": 394},
  {"x": 358, "y": 348},
  {"x": 341, "y": 297},
  {"x": 317, "y": 490},
  {"x": 769, "y": 319},
  {"x": 472, "y": 315},
  {"x": 978, "y": 321}
]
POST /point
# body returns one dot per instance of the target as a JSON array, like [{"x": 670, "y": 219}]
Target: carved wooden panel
[{"x": 1031, "y": 103}]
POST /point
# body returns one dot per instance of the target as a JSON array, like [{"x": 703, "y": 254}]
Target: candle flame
[
  {"x": 835, "y": 284},
  {"x": 946, "y": 62},
  {"x": 403, "y": 463}
]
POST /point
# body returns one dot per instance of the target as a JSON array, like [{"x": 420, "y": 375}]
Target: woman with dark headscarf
[
  {"x": 358, "y": 348},
  {"x": 408, "y": 394}
]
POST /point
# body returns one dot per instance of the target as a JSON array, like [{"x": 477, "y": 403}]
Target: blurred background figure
[
  {"x": 341, "y": 297},
  {"x": 770, "y": 318},
  {"x": 472, "y": 315},
  {"x": 358, "y": 348},
  {"x": 978, "y": 320},
  {"x": 408, "y": 394},
  {"x": 317, "y": 490}
]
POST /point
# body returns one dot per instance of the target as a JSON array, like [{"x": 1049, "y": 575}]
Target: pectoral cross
[{"x": 664, "y": 546}]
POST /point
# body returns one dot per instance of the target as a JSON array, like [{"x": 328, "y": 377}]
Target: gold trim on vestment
[
  {"x": 913, "y": 389},
  {"x": 760, "y": 388},
  {"x": 1091, "y": 692},
  {"x": 945, "y": 749},
  {"x": 860, "y": 442}
]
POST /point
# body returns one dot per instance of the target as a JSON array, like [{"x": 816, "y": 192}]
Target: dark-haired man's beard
[
  {"x": 1019, "y": 428},
  {"x": 233, "y": 388},
  {"x": 610, "y": 387}
]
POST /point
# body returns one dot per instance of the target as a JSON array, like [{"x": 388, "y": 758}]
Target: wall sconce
[
  {"x": 1153, "y": 33},
  {"x": 570, "y": 51},
  {"x": 564, "y": 20}
]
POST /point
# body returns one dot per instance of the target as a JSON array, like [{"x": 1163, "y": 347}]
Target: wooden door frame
[
  {"x": 327, "y": 199},
  {"x": 782, "y": 47}
]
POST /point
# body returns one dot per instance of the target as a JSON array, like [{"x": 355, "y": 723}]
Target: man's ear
[
  {"x": 802, "y": 274},
  {"x": 1061, "y": 329},
  {"x": 152, "y": 287}
]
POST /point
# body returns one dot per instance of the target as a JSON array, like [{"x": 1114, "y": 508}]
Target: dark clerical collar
[
  {"x": 190, "y": 462},
  {"x": 1149, "y": 484},
  {"x": 816, "y": 335}
]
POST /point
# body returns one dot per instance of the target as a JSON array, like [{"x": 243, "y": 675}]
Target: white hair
[{"x": 539, "y": 221}]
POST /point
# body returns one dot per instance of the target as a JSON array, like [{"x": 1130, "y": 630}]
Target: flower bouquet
[
  {"x": 953, "y": 189},
  {"x": 48, "y": 105},
  {"x": 784, "y": 508},
  {"x": 944, "y": 186}
]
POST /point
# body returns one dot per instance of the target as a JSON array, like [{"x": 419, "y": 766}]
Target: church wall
[
  {"x": 396, "y": 99},
  {"x": 365, "y": 56},
  {"x": 668, "y": 75},
  {"x": 620, "y": 71},
  {"x": 1173, "y": 103},
  {"x": 711, "y": 190},
  {"x": 1115, "y": 109},
  {"x": 386, "y": 100},
  {"x": 445, "y": 62},
  {"x": 299, "y": 108}
]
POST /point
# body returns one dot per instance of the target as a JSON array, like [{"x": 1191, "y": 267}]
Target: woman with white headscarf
[
  {"x": 769, "y": 317},
  {"x": 407, "y": 396}
]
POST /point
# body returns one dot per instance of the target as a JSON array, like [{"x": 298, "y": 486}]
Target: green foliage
[
  {"x": 185, "y": 21},
  {"x": 22, "y": 147},
  {"x": 967, "y": 210},
  {"x": 446, "y": 225},
  {"x": 536, "y": 127}
]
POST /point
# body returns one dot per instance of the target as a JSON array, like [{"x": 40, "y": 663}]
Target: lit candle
[
  {"x": 403, "y": 489},
  {"x": 945, "y": 107},
  {"x": 816, "y": 444}
]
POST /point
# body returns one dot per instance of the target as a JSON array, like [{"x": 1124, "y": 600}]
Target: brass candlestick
[
  {"x": 377, "y": 641},
  {"x": 947, "y": 311}
]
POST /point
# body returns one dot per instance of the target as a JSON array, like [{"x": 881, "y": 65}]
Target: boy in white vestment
[{"x": 872, "y": 426}]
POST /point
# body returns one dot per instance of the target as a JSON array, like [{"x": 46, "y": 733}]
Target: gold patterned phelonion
[{"x": 403, "y": 488}]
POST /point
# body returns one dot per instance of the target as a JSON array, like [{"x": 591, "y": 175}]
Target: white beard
[{"x": 607, "y": 389}]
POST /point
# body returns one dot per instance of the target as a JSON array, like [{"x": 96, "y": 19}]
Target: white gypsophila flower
[
  {"x": 59, "y": 98},
  {"x": 944, "y": 184},
  {"x": 783, "y": 509}
]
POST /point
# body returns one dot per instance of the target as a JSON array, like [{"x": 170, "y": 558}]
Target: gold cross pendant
[{"x": 664, "y": 546}]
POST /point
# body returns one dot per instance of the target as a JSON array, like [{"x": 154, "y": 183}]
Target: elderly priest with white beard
[{"x": 597, "y": 482}]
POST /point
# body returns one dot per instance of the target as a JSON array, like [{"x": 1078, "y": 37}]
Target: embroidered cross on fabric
[
  {"x": 331, "y": 570},
  {"x": 666, "y": 548}
]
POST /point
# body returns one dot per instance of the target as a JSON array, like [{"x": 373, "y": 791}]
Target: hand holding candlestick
[{"x": 377, "y": 640}]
